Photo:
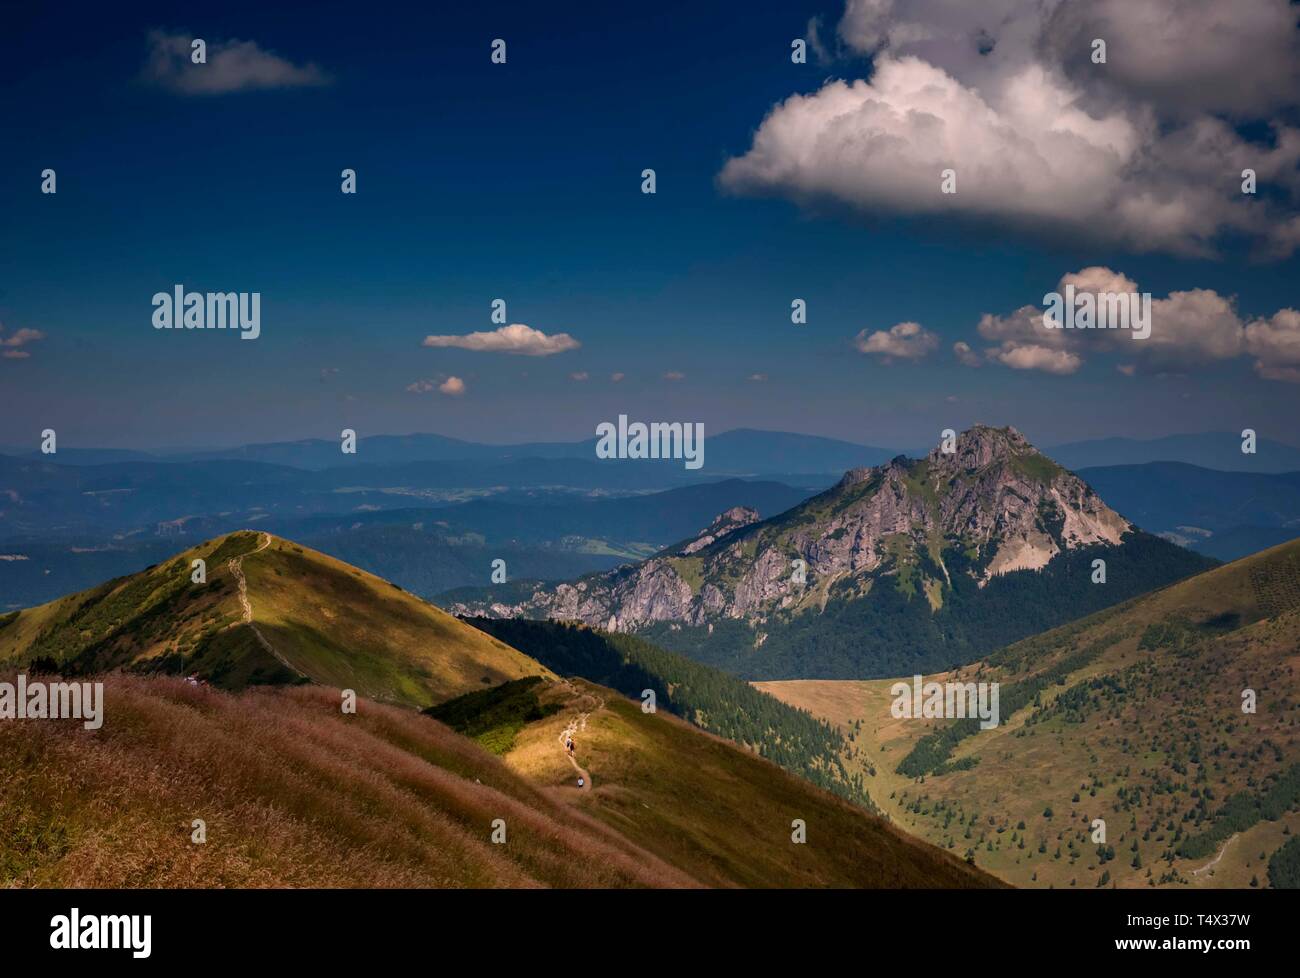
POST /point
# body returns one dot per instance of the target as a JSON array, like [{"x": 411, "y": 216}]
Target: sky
[{"x": 522, "y": 181}]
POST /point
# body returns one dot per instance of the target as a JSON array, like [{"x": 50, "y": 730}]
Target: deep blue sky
[{"x": 519, "y": 181}]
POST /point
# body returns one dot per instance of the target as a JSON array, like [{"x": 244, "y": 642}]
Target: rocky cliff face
[
  {"x": 991, "y": 506},
  {"x": 733, "y": 519}
]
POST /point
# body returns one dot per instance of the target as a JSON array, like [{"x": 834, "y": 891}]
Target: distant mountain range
[
  {"x": 433, "y": 524},
  {"x": 1211, "y": 450},
  {"x": 915, "y": 564},
  {"x": 90, "y": 491},
  {"x": 741, "y": 451},
  {"x": 1225, "y": 515},
  {"x": 550, "y": 536}
]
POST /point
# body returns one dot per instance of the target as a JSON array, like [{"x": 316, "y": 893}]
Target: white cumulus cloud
[
  {"x": 516, "y": 338},
  {"x": 1189, "y": 328},
  {"x": 1275, "y": 344},
  {"x": 1044, "y": 141},
  {"x": 905, "y": 341}
]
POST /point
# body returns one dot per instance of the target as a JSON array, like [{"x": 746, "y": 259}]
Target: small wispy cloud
[
  {"x": 815, "y": 43},
  {"x": 451, "y": 386},
  {"x": 231, "y": 66},
  {"x": 12, "y": 345},
  {"x": 674, "y": 375},
  {"x": 963, "y": 352}
]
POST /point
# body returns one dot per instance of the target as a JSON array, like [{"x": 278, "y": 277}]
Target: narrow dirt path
[
  {"x": 236, "y": 565},
  {"x": 575, "y": 726},
  {"x": 1215, "y": 861}
]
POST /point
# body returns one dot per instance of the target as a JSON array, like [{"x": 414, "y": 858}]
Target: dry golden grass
[
  {"x": 702, "y": 803},
  {"x": 293, "y": 793}
]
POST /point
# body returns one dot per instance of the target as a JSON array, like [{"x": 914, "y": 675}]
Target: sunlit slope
[
  {"x": 291, "y": 792},
  {"x": 1133, "y": 716},
  {"x": 344, "y": 627},
  {"x": 313, "y": 618},
  {"x": 714, "y": 809}
]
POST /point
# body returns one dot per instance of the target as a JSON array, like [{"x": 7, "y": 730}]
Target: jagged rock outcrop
[{"x": 733, "y": 519}]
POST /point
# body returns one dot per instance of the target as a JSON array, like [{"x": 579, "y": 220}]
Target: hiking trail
[
  {"x": 1215, "y": 861},
  {"x": 236, "y": 565},
  {"x": 576, "y": 724}
]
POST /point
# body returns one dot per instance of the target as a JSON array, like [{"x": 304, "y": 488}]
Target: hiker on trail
[
  {"x": 569, "y": 745},
  {"x": 581, "y": 782}
]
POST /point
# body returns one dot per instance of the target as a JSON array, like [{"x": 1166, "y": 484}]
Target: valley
[
  {"x": 728, "y": 695},
  {"x": 1134, "y": 716}
]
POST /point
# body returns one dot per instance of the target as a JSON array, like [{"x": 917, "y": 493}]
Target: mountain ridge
[
  {"x": 742, "y": 451},
  {"x": 266, "y": 612}
]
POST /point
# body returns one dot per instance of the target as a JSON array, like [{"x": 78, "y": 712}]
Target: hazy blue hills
[
  {"x": 1212, "y": 450},
  {"x": 426, "y": 550},
  {"x": 742, "y": 451},
  {"x": 1223, "y": 514}
]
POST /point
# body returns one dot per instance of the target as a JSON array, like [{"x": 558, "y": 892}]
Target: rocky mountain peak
[
  {"x": 983, "y": 445},
  {"x": 908, "y": 530}
]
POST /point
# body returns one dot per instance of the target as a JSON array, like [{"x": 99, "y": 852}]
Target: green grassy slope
[
  {"x": 709, "y": 698},
  {"x": 1133, "y": 716},
  {"x": 706, "y": 805},
  {"x": 324, "y": 621}
]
